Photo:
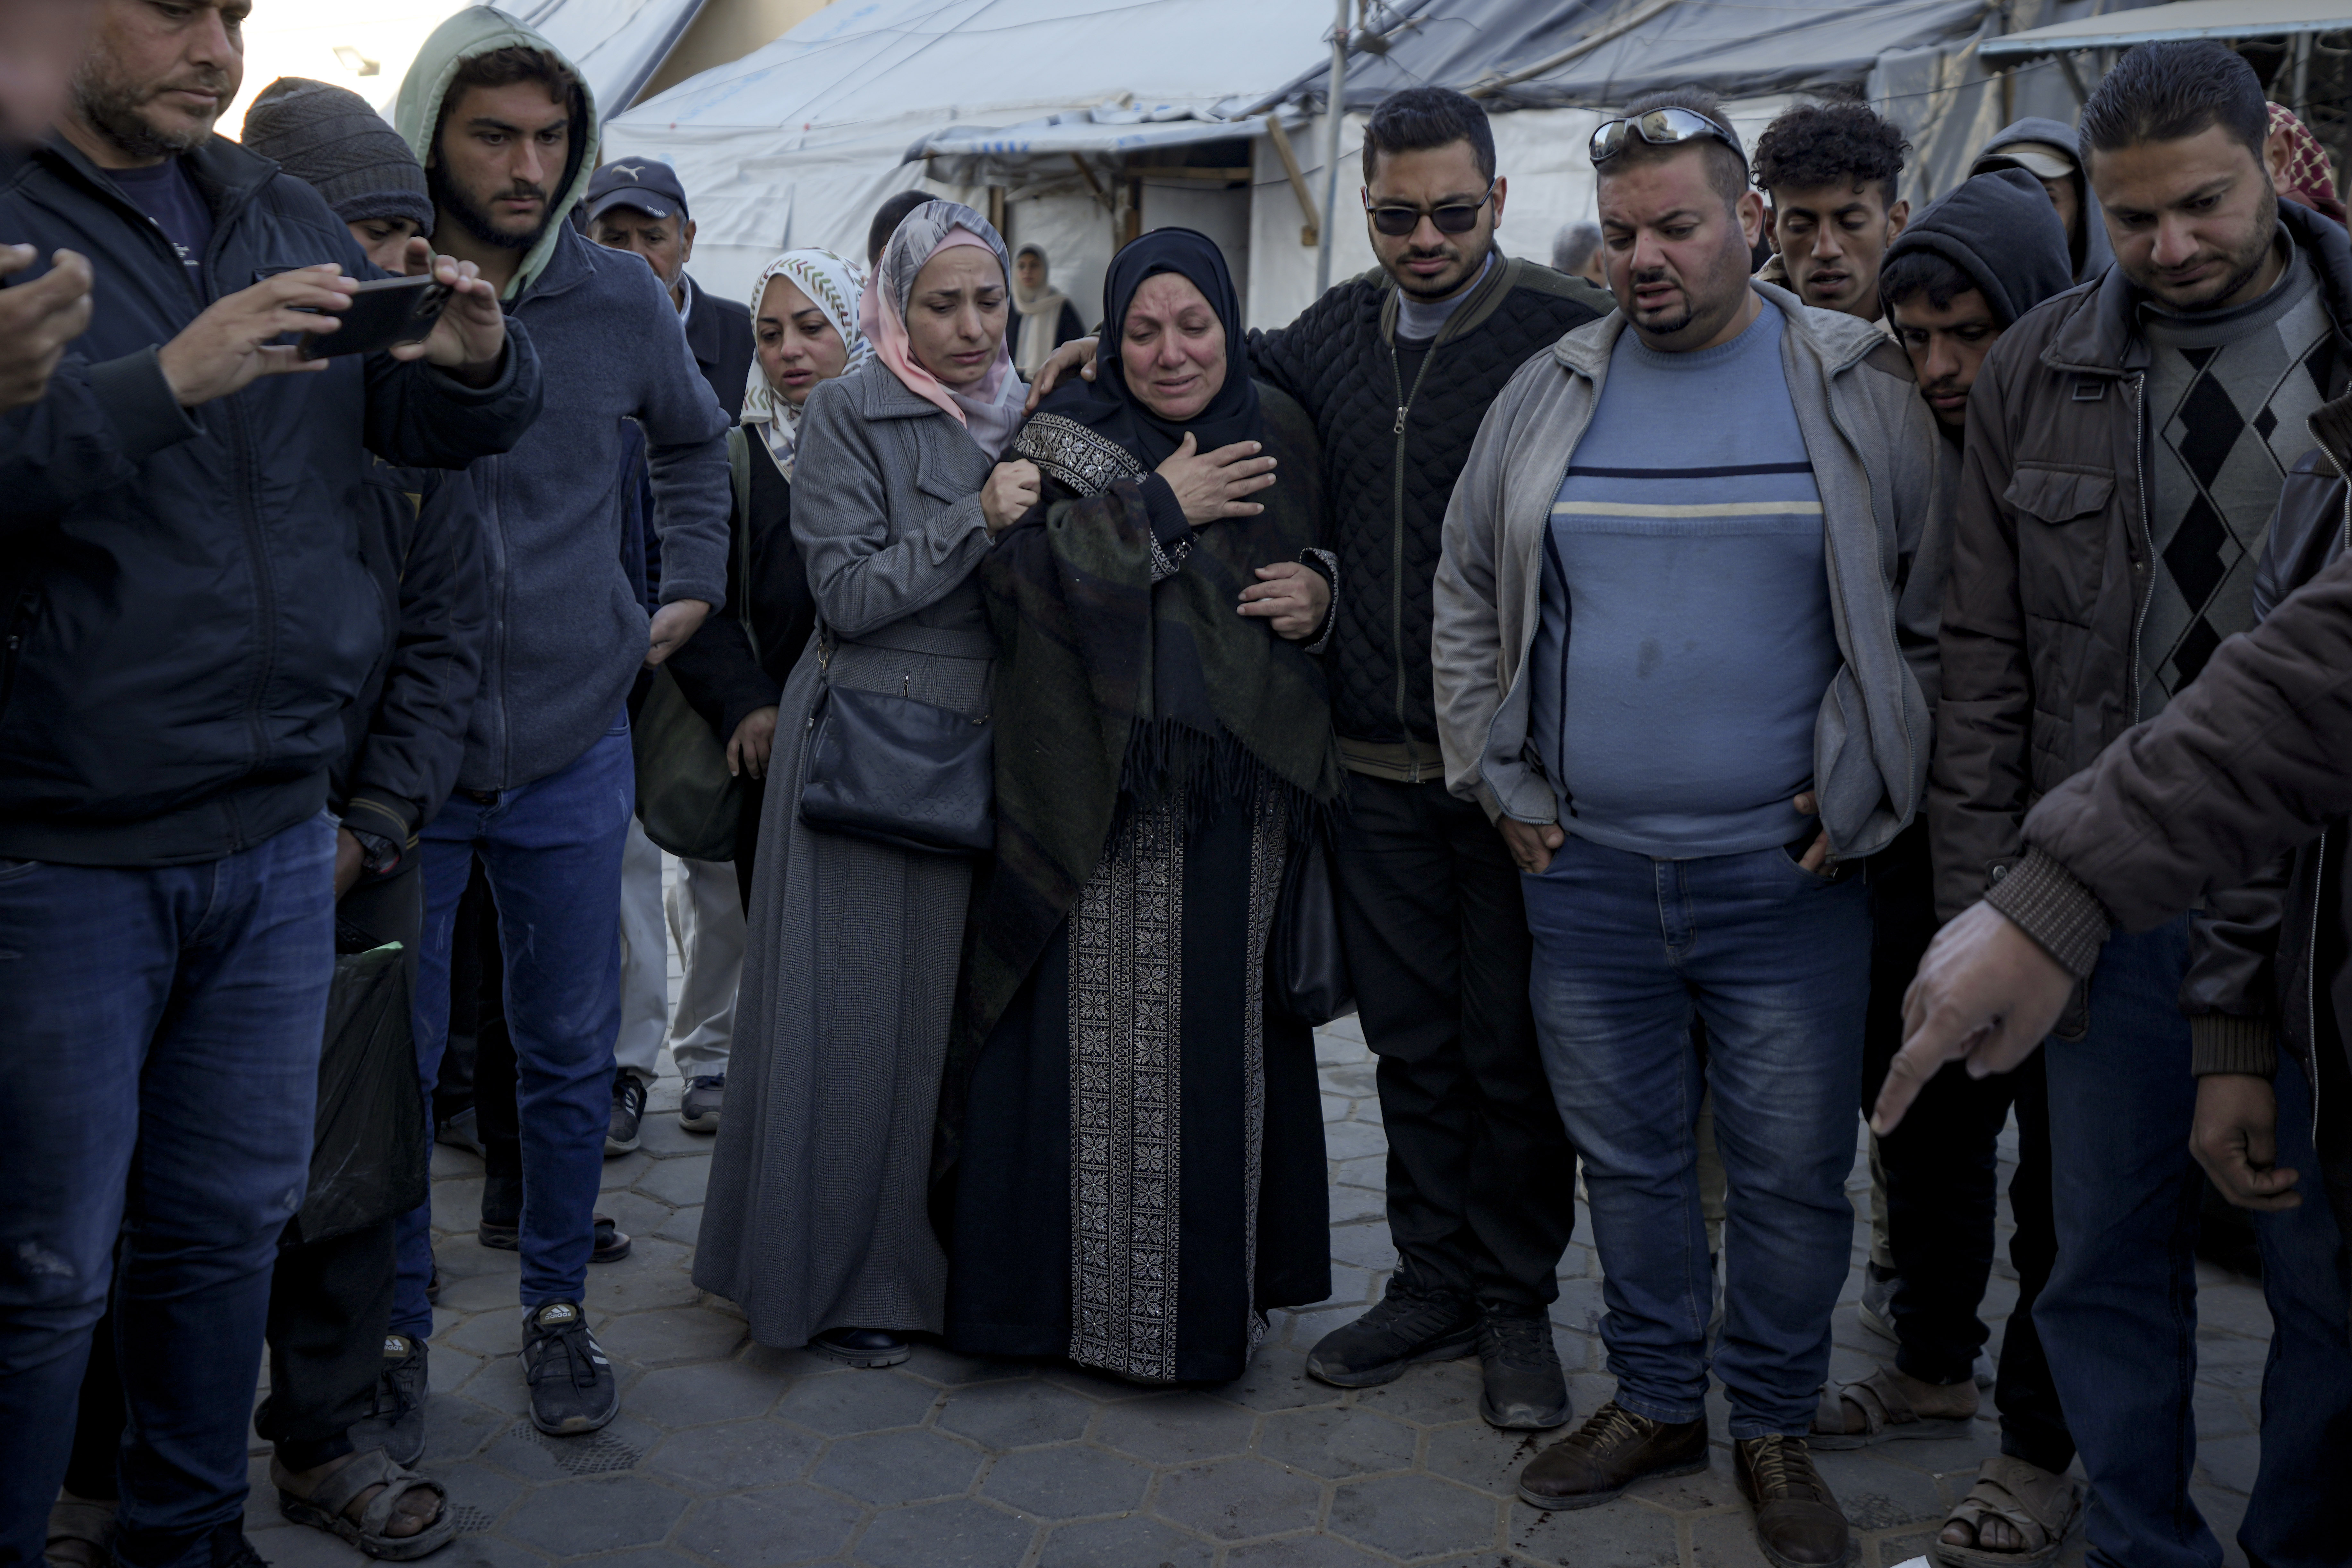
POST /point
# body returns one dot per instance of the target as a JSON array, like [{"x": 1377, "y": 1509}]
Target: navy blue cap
[{"x": 647, "y": 184}]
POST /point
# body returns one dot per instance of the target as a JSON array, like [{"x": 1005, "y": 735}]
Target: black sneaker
[
  {"x": 573, "y": 1388},
  {"x": 1526, "y": 1390},
  {"x": 628, "y": 1110},
  {"x": 1402, "y": 1327},
  {"x": 396, "y": 1421},
  {"x": 697, "y": 1110}
]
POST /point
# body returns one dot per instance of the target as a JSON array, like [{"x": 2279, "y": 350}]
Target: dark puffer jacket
[{"x": 1391, "y": 455}]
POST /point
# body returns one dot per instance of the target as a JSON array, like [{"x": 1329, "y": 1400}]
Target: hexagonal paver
[
  {"x": 670, "y": 1337},
  {"x": 530, "y": 1454},
  {"x": 678, "y": 1182},
  {"x": 1366, "y": 1244},
  {"x": 1302, "y": 1552},
  {"x": 1413, "y": 1516},
  {"x": 659, "y": 1279},
  {"x": 1175, "y": 1428},
  {"x": 1236, "y": 1500},
  {"x": 1877, "y": 1494},
  {"x": 1066, "y": 1482},
  {"x": 1435, "y": 1394},
  {"x": 1337, "y": 1443},
  {"x": 699, "y": 1396},
  {"x": 738, "y": 1455},
  {"x": 1017, "y": 1415},
  {"x": 840, "y": 1403},
  {"x": 1277, "y": 1380},
  {"x": 958, "y": 1534},
  {"x": 597, "y": 1514},
  {"x": 762, "y": 1530},
  {"x": 682, "y": 1226},
  {"x": 1729, "y": 1540},
  {"x": 1616, "y": 1536},
  {"x": 897, "y": 1466},
  {"x": 1478, "y": 1456},
  {"x": 1123, "y": 1543}
]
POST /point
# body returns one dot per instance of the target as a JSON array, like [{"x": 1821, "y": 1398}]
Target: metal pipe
[{"x": 1334, "y": 112}]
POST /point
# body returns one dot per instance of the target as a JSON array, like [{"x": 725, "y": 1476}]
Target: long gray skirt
[{"x": 816, "y": 1214}]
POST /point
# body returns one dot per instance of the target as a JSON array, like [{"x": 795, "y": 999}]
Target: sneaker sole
[
  {"x": 1558, "y": 1416},
  {"x": 1389, "y": 1372},
  {"x": 572, "y": 1426},
  {"x": 699, "y": 1123},
  {"x": 1594, "y": 1499},
  {"x": 865, "y": 1360},
  {"x": 613, "y": 1147}
]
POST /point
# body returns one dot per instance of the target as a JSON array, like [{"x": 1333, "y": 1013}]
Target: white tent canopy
[
  {"x": 2222, "y": 19},
  {"x": 798, "y": 143}
]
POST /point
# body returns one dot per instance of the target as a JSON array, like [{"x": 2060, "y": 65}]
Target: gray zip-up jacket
[{"x": 1885, "y": 478}]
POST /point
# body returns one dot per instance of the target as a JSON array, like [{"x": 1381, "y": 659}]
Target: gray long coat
[{"x": 816, "y": 1217}]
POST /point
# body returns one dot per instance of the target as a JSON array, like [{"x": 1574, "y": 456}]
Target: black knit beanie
[{"x": 328, "y": 137}]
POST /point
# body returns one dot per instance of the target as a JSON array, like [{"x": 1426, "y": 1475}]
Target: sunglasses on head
[
  {"x": 1659, "y": 128},
  {"x": 1397, "y": 220}
]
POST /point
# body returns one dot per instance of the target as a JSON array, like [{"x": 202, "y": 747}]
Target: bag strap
[{"x": 739, "y": 467}]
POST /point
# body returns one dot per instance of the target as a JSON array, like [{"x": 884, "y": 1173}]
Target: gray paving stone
[
  {"x": 1237, "y": 1500},
  {"x": 640, "y": 1216},
  {"x": 1712, "y": 1488},
  {"x": 1434, "y": 1394},
  {"x": 2232, "y": 1461},
  {"x": 1175, "y": 1428},
  {"x": 528, "y": 1454},
  {"x": 682, "y": 1225},
  {"x": 1729, "y": 1540},
  {"x": 678, "y": 1182},
  {"x": 739, "y": 1455},
  {"x": 958, "y": 1534},
  {"x": 479, "y": 1495},
  {"x": 1352, "y": 1140},
  {"x": 636, "y": 1286},
  {"x": 1123, "y": 1543},
  {"x": 697, "y": 1395},
  {"x": 495, "y": 1330},
  {"x": 1337, "y": 1443},
  {"x": 770, "y": 1529},
  {"x": 1302, "y": 1552},
  {"x": 660, "y": 1135},
  {"x": 1366, "y": 1244},
  {"x": 1369, "y": 1171},
  {"x": 905, "y": 1466},
  {"x": 1478, "y": 1456},
  {"x": 299, "y": 1548},
  {"x": 498, "y": 1385},
  {"x": 1877, "y": 1495},
  {"x": 624, "y": 1169},
  {"x": 1092, "y": 1385},
  {"x": 465, "y": 1258},
  {"x": 595, "y": 1514},
  {"x": 466, "y": 1552},
  {"x": 481, "y": 1293},
  {"x": 1617, "y": 1535},
  {"x": 1017, "y": 1415},
  {"x": 937, "y": 1363},
  {"x": 457, "y": 1427},
  {"x": 1413, "y": 1516},
  {"x": 848, "y": 1400},
  {"x": 1068, "y": 1482},
  {"x": 670, "y": 1336},
  {"x": 1350, "y": 1204},
  {"x": 1277, "y": 1380}
]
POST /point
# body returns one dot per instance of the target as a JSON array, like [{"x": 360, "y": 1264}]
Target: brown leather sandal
[
  {"x": 1888, "y": 1415},
  {"x": 2044, "y": 1508}
]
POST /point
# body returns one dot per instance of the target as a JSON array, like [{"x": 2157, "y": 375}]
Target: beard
[
  {"x": 473, "y": 216},
  {"x": 116, "y": 109},
  {"x": 2244, "y": 261}
]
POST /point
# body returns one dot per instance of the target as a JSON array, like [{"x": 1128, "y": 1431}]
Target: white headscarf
[{"x": 832, "y": 285}]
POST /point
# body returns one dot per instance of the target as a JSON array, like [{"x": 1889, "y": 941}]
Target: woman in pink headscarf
[{"x": 815, "y": 1221}]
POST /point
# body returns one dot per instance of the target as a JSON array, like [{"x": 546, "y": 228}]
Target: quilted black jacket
[{"x": 1391, "y": 455}]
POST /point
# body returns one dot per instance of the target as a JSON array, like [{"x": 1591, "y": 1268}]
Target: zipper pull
[{"x": 1398, "y": 429}]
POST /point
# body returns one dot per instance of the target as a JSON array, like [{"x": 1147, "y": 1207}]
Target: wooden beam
[
  {"x": 1092, "y": 183},
  {"x": 1312, "y": 234}
]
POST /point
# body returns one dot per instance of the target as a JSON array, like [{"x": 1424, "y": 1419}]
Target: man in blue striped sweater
[{"x": 1684, "y": 657}]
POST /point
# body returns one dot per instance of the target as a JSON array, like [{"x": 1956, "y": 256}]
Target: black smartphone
[{"x": 383, "y": 313}]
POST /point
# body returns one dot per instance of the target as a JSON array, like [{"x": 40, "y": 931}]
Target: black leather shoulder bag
[{"x": 903, "y": 772}]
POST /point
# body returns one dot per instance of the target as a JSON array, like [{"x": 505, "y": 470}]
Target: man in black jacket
[
  {"x": 187, "y": 617},
  {"x": 1398, "y": 367}
]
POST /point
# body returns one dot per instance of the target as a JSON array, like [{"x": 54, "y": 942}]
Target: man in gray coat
[{"x": 1689, "y": 780}]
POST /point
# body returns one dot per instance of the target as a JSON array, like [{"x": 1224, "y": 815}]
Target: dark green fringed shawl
[{"x": 1073, "y": 604}]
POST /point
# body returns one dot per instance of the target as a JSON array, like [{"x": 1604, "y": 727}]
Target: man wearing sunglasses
[
  {"x": 1398, "y": 367},
  {"x": 1684, "y": 654}
]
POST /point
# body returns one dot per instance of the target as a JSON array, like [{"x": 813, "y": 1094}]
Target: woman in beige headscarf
[{"x": 1047, "y": 319}]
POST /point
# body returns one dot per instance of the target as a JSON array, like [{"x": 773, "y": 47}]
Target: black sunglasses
[
  {"x": 1396, "y": 220},
  {"x": 1659, "y": 128}
]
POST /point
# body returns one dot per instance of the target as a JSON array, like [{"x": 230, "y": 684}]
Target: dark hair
[
  {"x": 1726, "y": 167},
  {"x": 1423, "y": 116},
  {"x": 2164, "y": 92},
  {"x": 1830, "y": 144},
  {"x": 1923, "y": 271},
  {"x": 888, "y": 217},
  {"x": 514, "y": 63}
]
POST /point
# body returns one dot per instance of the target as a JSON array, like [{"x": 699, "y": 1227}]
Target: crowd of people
[{"x": 1680, "y": 706}]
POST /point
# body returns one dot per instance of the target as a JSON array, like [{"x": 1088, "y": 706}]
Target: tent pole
[{"x": 1333, "y": 113}]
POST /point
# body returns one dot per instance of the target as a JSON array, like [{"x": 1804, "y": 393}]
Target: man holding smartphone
[{"x": 186, "y": 619}]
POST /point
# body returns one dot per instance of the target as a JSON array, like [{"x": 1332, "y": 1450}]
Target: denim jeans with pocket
[
  {"x": 159, "y": 1030},
  {"x": 1776, "y": 960},
  {"x": 552, "y": 849}
]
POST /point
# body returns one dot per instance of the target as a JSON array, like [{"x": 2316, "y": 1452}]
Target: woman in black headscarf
[{"x": 1130, "y": 1166}]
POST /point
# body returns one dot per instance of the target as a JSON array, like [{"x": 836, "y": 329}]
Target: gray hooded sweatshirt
[
  {"x": 2092, "y": 253},
  {"x": 567, "y": 632}
]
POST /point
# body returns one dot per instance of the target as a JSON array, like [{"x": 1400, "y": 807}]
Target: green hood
[{"x": 476, "y": 30}]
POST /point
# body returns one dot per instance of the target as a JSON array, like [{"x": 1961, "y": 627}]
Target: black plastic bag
[{"x": 369, "y": 1158}]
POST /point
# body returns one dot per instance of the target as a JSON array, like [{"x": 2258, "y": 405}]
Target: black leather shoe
[
  {"x": 861, "y": 1347},
  {"x": 1798, "y": 1523},
  {"x": 395, "y": 1422},
  {"x": 1610, "y": 1452},
  {"x": 1402, "y": 1327},
  {"x": 1526, "y": 1390}
]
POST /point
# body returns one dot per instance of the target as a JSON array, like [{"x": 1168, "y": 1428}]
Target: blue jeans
[
  {"x": 1777, "y": 961},
  {"x": 552, "y": 852},
  {"x": 2118, "y": 1317},
  {"x": 158, "y": 1034}
]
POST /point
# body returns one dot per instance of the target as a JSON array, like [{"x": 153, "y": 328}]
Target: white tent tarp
[{"x": 798, "y": 143}]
